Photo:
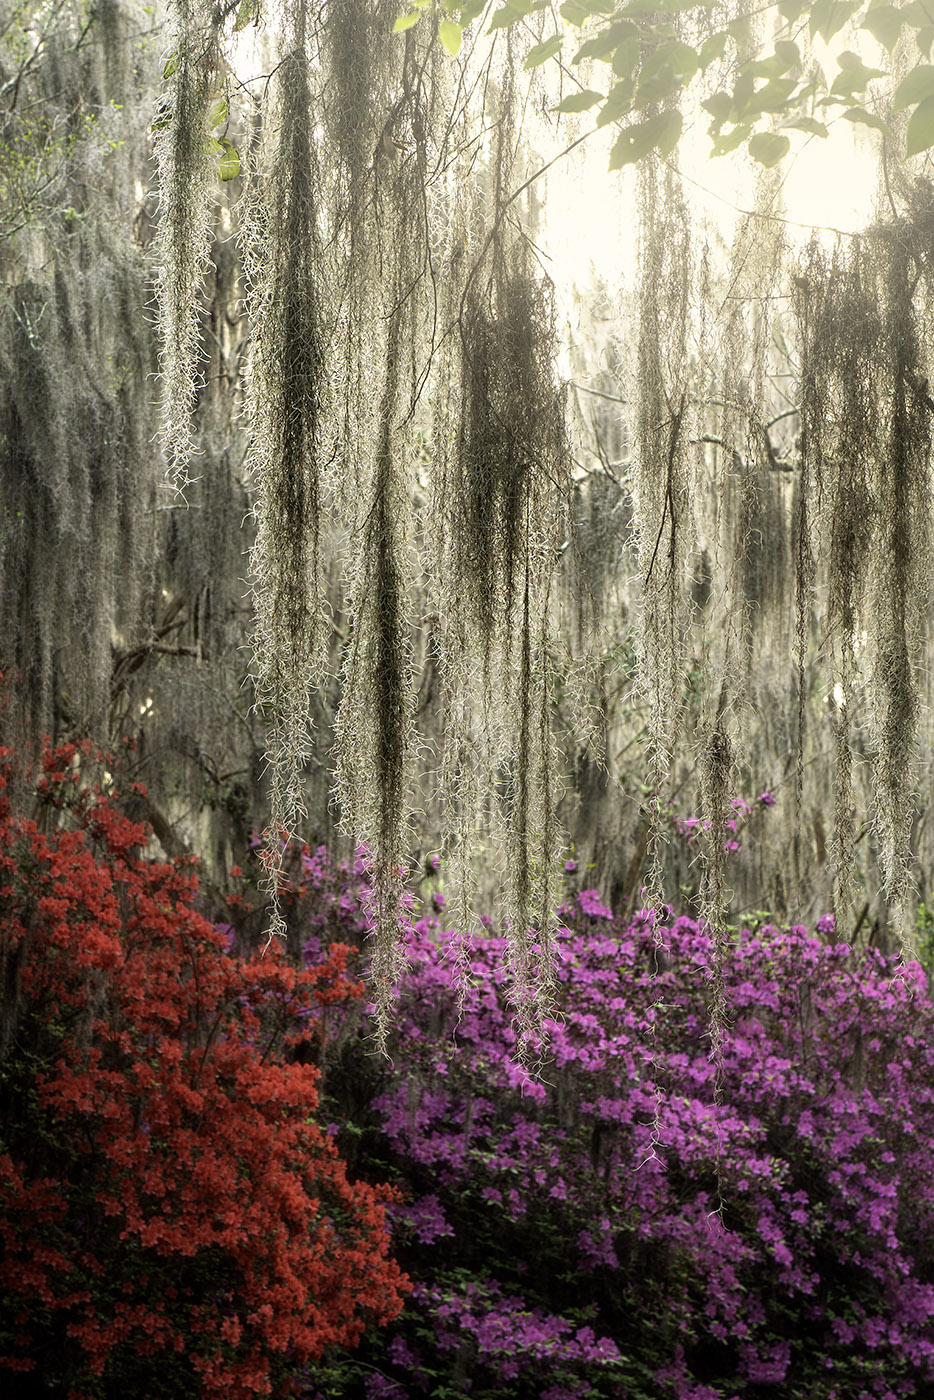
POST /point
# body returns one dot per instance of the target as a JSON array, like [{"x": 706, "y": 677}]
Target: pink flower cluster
[
  {"x": 770, "y": 1235},
  {"x": 741, "y": 815}
]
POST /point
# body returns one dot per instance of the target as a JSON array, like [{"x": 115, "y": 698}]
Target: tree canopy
[{"x": 652, "y": 52}]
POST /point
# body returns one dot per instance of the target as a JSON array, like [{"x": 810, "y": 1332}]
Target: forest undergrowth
[{"x": 212, "y": 1185}]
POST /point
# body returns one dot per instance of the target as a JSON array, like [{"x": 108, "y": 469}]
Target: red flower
[{"x": 165, "y": 1190}]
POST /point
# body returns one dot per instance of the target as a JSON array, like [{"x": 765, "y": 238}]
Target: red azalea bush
[
  {"x": 566, "y": 1233},
  {"x": 173, "y": 1221}
]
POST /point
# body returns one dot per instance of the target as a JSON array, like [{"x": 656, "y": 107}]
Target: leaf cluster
[{"x": 651, "y": 65}]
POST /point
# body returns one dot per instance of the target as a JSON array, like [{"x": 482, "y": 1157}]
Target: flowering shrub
[
  {"x": 742, "y": 815},
  {"x": 609, "y": 1229},
  {"x": 173, "y": 1221}
]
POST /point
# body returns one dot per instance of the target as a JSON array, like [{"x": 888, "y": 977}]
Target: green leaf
[
  {"x": 719, "y": 106},
  {"x": 854, "y": 76},
  {"x": 626, "y": 57},
  {"x": 914, "y": 87},
  {"x": 808, "y": 124},
  {"x": 743, "y": 90},
  {"x": 847, "y": 85},
  {"x": 472, "y": 11},
  {"x": 885, "y": 24},
  {"x": 450, "y": 35},
  {"x": 406, "y": 21},
  {"x": 245, "y": 14},
  {"x": 575, "y": 13},
  {"x": 228, "y": 167},
  {"x": 829, "y": 16},
  {"x": 670, "y": 125},
  {"x": 724, "y": 144},
  {"x": 661, "y": 131},
  {"x": 541, "y": 53},
  {"x": 579, "y": 101},
  {"x": 771, "y": 97},
  {"x": 504, "y": 17},
  {"x": 920, "y": 134},
  {"x": 772, "y": 67},
  {"x": 658, "y": 88},
  {"x": 665, "y": 71},
  {"x": 676, "y": 56},
  {"x": 789, "y": 53},
  {"x": 163, "y": 117},
  {"x": 170, "y": 66},
  {"x": 924, "y": 39},
  {"x": 864, "y": 118},
  {"x": 604, "y": 44},
  {"x": 768, "y": 147},
  {"x": 618, "y": 102},
  {"x": 792, "y": 10},
  {"x": 713, "y": 48},
  {"x": 217, "y": 116},
  {"x": 854, "y": 64}
]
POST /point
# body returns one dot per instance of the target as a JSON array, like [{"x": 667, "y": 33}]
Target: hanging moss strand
[
  {"x": 183, "y": 154},
  {"x": 287, "y": 401}
]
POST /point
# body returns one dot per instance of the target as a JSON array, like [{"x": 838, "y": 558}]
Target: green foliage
[
  {"x": 914, "y": 87},
  {"x": 768, "y": 147},
  {"x": 920, "y": 134},
  {"x": 248, "y": 13},
  {"x": 43, "y": 136},
  {"x": 540, "y": 53},
  {"x": 449, "y": 34},
  {"x": 659, "y": 133},
  {"x": 645, "y": 42},
  {"x": 580, "y": 101},
  {"x": 228, "y": 166}
]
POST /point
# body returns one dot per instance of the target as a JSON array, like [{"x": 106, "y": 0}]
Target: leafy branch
[{"x": 651, "y": 65}]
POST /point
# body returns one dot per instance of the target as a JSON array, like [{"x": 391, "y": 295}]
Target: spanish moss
[
  {"x": 872, "y": 485},
  {"x": 182, "y": 142},
  {"x": 662, "y": 485},
  {"x": 287, "y": 387}
]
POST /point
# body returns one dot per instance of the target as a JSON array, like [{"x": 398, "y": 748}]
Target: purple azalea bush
[{"x": 622, "y": 1221}]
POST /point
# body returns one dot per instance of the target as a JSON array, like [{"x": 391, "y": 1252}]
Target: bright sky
[{"x": 827, "y": 183}]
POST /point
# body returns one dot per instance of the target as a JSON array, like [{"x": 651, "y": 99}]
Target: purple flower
[
  {"x": 605, "y": 1150},
  {"x": 591, "y": 906}
]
